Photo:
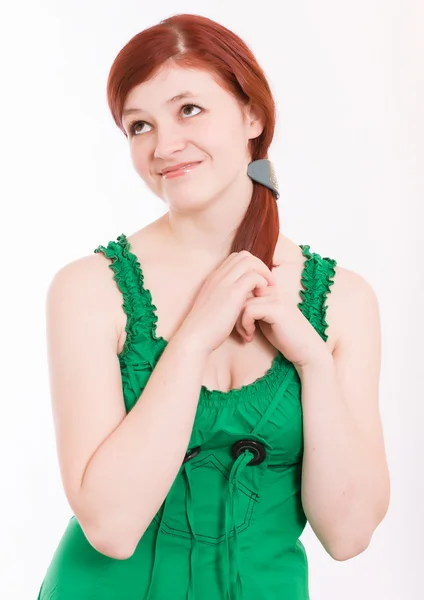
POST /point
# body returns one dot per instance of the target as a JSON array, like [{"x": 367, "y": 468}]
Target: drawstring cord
[
  {"x": 233, "y": 492},
  {"x": 232, "y": 499}
]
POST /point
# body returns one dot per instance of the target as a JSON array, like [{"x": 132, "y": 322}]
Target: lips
[{"x": 179, "y": 167}]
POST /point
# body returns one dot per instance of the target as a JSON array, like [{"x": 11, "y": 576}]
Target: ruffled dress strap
[
  {"x": 139, "y": 343},
  {"x": 317, "y": 279}
]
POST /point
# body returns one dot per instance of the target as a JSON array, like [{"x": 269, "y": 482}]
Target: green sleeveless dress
[{"x": 229, "y": 527}]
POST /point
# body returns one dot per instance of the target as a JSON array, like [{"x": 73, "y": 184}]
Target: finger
[
  {"x": 263, "y": 291},
  {"x": 255, "y": 309},
  {"x": 244, "y": 328},
  {"x": 245, "y": 260},
  {"x": 248, "y": 282},
  {"x": 244, "y": 335},
  {"x": 241, "y": 257},
  {"x": 248, "y": 322}
]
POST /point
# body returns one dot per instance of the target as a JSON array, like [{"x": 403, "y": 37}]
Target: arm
[
  {"x": 110, "y": 460},
  {"x": 345, "y": 479}
]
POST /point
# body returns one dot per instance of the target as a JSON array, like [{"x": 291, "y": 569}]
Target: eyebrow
[{"x": 186, "y": 94}]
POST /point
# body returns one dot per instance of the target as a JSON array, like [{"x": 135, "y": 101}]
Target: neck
[{"x": 208, "y": 232}]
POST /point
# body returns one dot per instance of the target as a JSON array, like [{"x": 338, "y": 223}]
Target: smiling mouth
[{"x": 181, "y": 170}]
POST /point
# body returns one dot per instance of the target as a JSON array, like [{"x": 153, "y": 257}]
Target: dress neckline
[{"x": 265, "y": 384}]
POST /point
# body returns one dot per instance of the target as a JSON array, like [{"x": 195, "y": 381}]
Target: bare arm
[
  {"x": 116, "y": 468},
  {"x": 130, "y": 474},
  {"x": 345, "y": 477}
]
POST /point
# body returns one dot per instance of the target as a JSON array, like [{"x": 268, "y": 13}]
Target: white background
[{"x": 348, "y": 79}]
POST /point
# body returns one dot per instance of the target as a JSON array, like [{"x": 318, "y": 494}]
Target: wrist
[{"x": 190, "y": 340}]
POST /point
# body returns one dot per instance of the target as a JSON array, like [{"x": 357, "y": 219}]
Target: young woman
[{"x": 210, "y": 395}]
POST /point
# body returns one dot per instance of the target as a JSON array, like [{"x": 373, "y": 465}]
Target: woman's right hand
[{"x": 221, "y": 298}]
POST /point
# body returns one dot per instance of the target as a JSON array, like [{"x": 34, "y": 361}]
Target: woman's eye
[
  {"x": 190, "y": 106},
  {"x": 134, "y": 127}
]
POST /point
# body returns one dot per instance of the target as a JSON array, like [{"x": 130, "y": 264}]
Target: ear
[{"x": 254, "y": 121}]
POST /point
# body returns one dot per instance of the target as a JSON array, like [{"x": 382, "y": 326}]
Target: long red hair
[{"x": 198, "y": 42}]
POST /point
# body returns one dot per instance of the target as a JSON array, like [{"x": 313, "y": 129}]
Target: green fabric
[{"x": 226, "y": 530}]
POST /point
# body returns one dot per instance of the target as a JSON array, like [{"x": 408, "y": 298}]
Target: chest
[{"x": 235, "y": 363}]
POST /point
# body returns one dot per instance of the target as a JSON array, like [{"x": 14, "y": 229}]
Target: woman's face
[{"x": 212, "y": 130}]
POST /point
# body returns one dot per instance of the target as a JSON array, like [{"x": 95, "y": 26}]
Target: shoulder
[
  {"x": 352, "y": 291},
  {"x": 86, "y": 287},
  {"x": 352, "y": 303},
  {"x": 87, "y": 275}
]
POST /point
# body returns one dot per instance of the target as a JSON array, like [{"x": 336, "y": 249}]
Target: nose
[{"x": 169, "y": 140}]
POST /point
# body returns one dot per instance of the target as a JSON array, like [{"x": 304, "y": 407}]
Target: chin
[{"x": 188, "y": 200}]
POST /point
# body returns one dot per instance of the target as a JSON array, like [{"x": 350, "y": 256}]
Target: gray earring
[{"x": 262, "y": 171}]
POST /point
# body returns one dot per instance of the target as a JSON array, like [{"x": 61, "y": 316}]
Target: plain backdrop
[{"x": 348, "y": 80}]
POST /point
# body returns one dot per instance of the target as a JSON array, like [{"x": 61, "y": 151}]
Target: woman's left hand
[{"x": 283, "y": 324}]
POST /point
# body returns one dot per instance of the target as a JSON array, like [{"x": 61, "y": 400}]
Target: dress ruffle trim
[
  {"x": 143, "y": 348},
  {"x": 317, "y": 278},
  {"x": 141, "y": 320}
]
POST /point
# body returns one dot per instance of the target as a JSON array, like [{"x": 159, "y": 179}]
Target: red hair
[{"x": 198, "y": 42}]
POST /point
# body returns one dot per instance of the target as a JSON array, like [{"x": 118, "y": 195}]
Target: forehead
[{"x": 173, "y": 80}]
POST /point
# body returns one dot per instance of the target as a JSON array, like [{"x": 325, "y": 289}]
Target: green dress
[{"x": 229, "y": 527}]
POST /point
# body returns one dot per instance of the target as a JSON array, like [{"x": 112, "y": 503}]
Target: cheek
[
  {"x": 136, "y": 158},
  {"x": 227, "y": 149},
  {"x": 140, "y": 162},
  {"x": 141, "y": 166},
  {"x": 230, "y": 135}
]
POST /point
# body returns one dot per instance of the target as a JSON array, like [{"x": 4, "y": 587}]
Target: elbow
[
  {"x": 114, "y": 537},
  {"x": 347, "y": 544},
  {"x": 348, "y": 551},
  {"x": 107, "y": 540},
  {"x": 113, "y": 551},
  {"x": 109, "y": 547}
]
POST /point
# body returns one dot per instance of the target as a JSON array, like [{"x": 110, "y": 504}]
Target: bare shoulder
[
  {"x": 352, "y": 300},
  {"x": 87, "y": 285},
  {"x": 88, "y": 273}
]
